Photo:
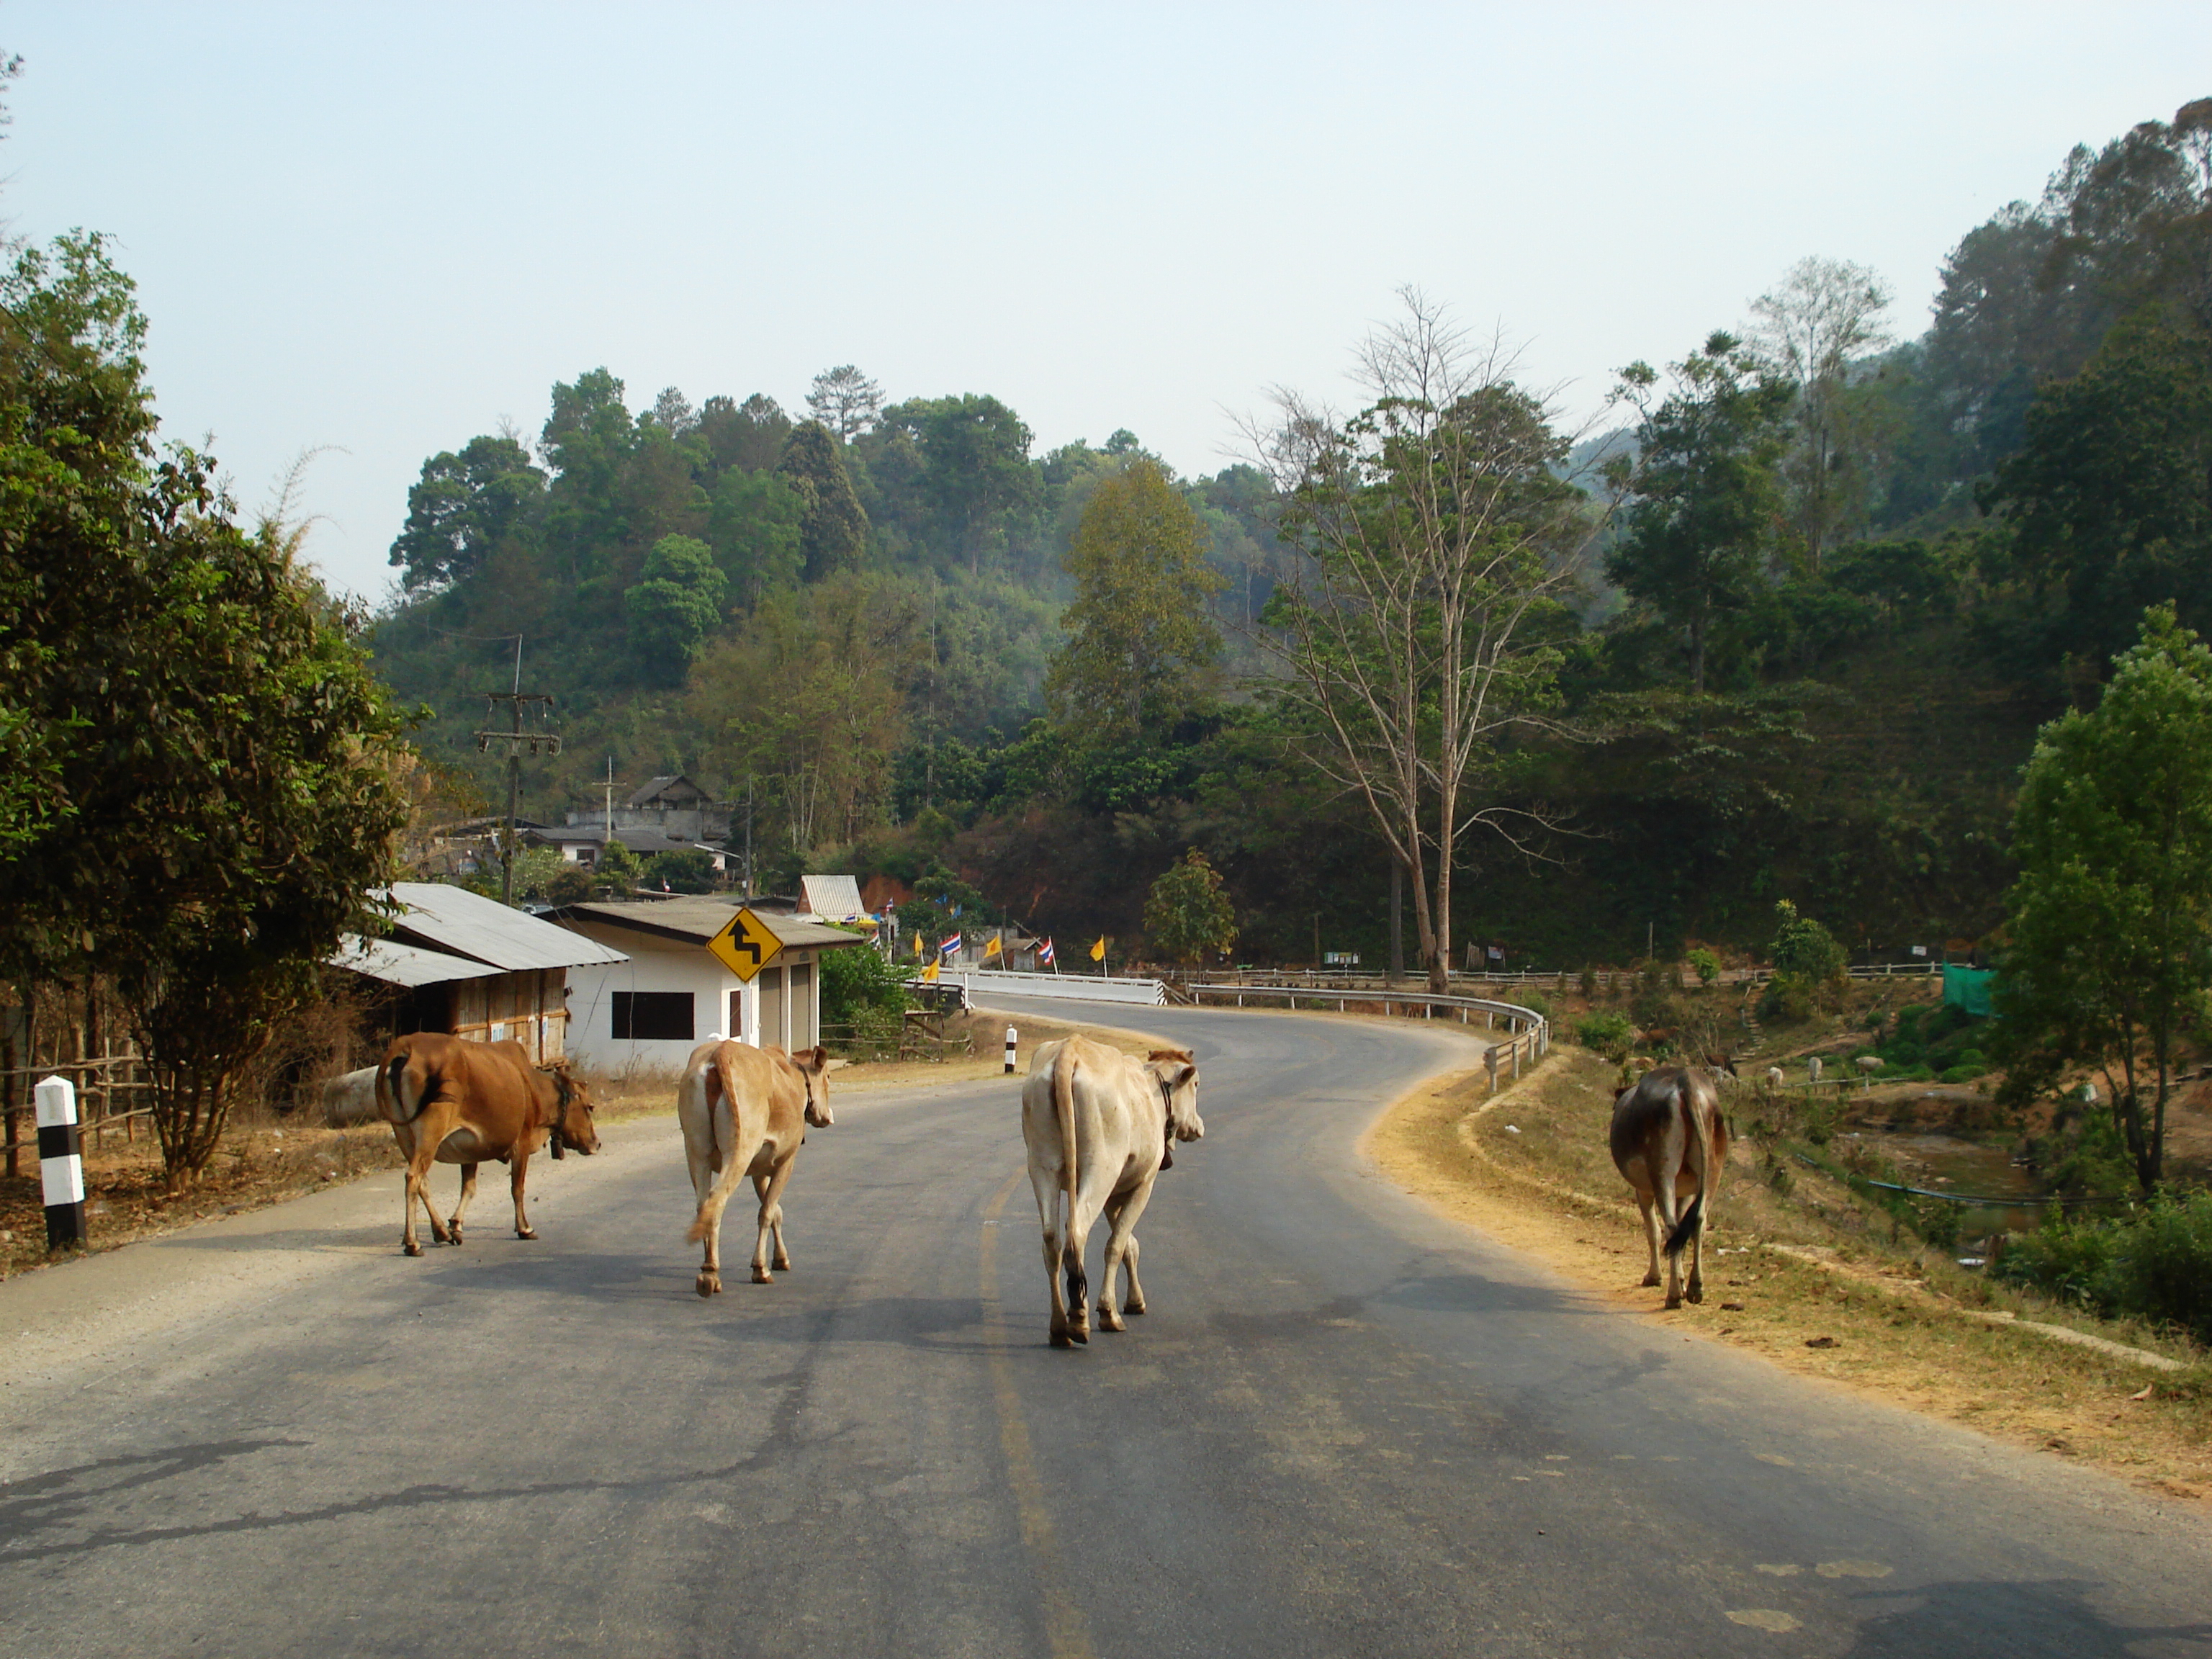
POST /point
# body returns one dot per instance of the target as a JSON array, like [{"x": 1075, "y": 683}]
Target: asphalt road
[{"x": 1345, "y": 1427}]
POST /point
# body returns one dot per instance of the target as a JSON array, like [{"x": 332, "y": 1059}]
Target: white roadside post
[
  {"x": 1010, "y": 1050},
  {"x": 61, "y": 1162}
]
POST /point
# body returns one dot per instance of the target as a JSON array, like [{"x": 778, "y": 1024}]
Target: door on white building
[{"x": 770, "y": 984}]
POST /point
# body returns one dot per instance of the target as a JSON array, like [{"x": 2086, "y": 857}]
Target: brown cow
[
  {"x": 744, "y": 1111},
  {"x": 1669, "y": 1141},
  {"x": 452, "y": 1102}
]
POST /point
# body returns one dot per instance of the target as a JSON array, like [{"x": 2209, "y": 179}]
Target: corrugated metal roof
[
  {"x": 470, "y": 925},
  {"x": 698, "y": 918},
  {"x": 411, "y": 965},
  {"x": 833, "y": 898}
]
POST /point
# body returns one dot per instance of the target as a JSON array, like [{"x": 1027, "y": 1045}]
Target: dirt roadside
[{"x": 1855, "y": 1318}]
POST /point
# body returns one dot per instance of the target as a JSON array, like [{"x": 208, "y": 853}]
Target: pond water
[{"x": 1943, "y": 1161}]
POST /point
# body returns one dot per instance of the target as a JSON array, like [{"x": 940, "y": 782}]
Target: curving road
[{"x": 1346, "y": 1427}]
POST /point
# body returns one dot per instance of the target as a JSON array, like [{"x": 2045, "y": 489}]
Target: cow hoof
[
  {"x": 1062, "y": 1339},
  {"x": 1695, "y": 1293},
  {"x": 709, "y": 1284},
  {"x": 1673, "y": 1303},
  {"x": 520, "y": 1232},
  {"x": 1651, "y": 1281},
  {"x": 762, "y": 1276},
  {"x": 1111, "y": 1322},
  {"x": 1079, "y": 1334},
  {"x": 783, "y": 1264},
  {"x": 410, "y": 1247},
  {"x": 1133, "y": 1309}
]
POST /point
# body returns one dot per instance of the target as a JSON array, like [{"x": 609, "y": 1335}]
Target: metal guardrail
[{"x": 1531, "y": 1036}]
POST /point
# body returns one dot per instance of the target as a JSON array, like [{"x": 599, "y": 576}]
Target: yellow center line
[{"x": 1066, "y": 1634}]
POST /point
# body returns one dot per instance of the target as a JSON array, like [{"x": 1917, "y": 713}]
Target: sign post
[
  {"x": 745, "y": 945},
  {"x": 61, "y": 1163}
]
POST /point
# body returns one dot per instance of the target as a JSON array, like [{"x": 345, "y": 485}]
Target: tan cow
[
  {"x": 452, "y": 1102},
  {"x": 1097, "y": 1123},
  {"x": 745, "y": 1112},
  {"x": 1669, "y": 1142}
]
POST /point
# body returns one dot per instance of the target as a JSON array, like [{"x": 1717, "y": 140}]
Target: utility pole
[
  {"x": 749, "y": 835},
  {"x": 515, "y": 738},
  {"x": 610, "y": 798}
]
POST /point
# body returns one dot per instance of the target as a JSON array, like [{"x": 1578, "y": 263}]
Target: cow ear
[{"x": 1188, "y": 1074}]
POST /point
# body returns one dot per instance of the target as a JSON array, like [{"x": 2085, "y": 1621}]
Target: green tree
[
  {"x": 844, "y": 400},
  {"x": 1803, "y": 948},
  {"x": 676, "y": 609},
  {"x": 2108, "y": 507},
  {"x": 1703, "y": 494},
  {"x": 2110, "y": 951},
  {"x": 615, "y": 874},
  {"x": 220, "y": 763},
  {"x": 975, "y": 472},
  {"x": 465, "y": 507},
  {"x": 1189, "y": 912},
  {"x": 834, "y": 533},
  {"x": 1139, "y": 638},
  {"x": 757, "y": 526}
]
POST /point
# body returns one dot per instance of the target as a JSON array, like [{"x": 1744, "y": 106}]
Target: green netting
[{"x": 1969, "y": 988}]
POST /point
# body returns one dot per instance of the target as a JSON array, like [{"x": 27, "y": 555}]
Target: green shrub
[
  {"x": 1705, "y": 965},
  {"x": 1787, "y": 1000},
  {"x": 1535, "y": 1002},
  {"x": 1608, "y": 1033},
  {"x": 1805, "y": 949},
  {"x": 684, "y": 872},
  {"x": 860, "y": 987},
  {"x": 1960, "y": 1073},
  {"x": 2154, "y": 1264}
]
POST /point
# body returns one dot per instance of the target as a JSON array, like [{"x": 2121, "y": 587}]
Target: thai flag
[
  {"x": 1044, "y": 954},
  {"x": 950, "y": 948}
]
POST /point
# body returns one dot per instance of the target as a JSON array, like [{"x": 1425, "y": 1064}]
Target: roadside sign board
[{"x": 746, "y": 945}]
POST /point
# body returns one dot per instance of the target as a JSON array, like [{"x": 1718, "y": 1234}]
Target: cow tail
[
  {"x": 1686, "y": 1228},
  {"x": 733, "y": 1167},
  {"x": 1063, "y": 1109}
]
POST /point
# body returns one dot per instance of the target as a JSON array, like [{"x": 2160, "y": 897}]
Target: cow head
[
  {"x": 813, "y": 1065},
  {"x": 1178, "y": 1076},
  {"x": 572, "y": 1123}
]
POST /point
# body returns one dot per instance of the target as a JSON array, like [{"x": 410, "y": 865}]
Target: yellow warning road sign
[{"x": 746, "y": 946}]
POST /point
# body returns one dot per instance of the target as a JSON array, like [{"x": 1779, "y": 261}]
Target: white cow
[
  {"x": 350, "y": 1098},
  {"x": 1813, "y": 1069},
  {"x": 1097, "y": 1123},
  {"x": 1774, "y": 1077}
]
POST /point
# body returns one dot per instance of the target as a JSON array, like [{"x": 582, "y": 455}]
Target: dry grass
[{"x": 1531, "y": 1169}]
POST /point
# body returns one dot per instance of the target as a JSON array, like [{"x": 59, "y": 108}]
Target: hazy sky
[{"x": 384, "y": 229}]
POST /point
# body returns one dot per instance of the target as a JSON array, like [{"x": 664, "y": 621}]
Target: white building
[{"x": 672, "y": 993}]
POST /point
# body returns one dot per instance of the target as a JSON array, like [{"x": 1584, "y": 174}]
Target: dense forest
[{"x": 1786, "y": 627}]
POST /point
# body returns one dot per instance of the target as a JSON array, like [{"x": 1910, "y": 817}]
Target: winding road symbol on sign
[{"x": 746, "y": 945}]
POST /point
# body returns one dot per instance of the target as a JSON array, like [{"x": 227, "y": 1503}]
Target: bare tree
[
  {"x": 845, "y": 400},
  {"x": 1807, "y": 330},
  {"x": 1433, "y": 531}
]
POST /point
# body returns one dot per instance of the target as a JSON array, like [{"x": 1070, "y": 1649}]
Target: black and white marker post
[
  {"x": 1010, "y": 1051},
  {"x": 61, "y": 1163}
]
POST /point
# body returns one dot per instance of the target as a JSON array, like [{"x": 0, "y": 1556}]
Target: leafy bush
[
  {"x": 1787, "y": 1000},
  {"x": 1532, "y": 999},
  {"x": 1961, "y": 1074},
  {"x": 1609, "y": 1034},
  {"x": 860, "y": 987},
  {"x": 1704, "y": 964},
  {"x": 1805, "y": 949},
  {"x": 2154, "y": 1264}
]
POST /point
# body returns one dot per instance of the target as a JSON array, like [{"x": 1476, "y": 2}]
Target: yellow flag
[
  {"x": 917, "y": 944},
  {"x": 990, "y": 947},
  {"x": 929, "y": 973},
  {"x": 1099, "y": 950}
]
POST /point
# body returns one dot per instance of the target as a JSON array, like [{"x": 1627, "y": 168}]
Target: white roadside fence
[{"x": 1087, "y": 987}]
